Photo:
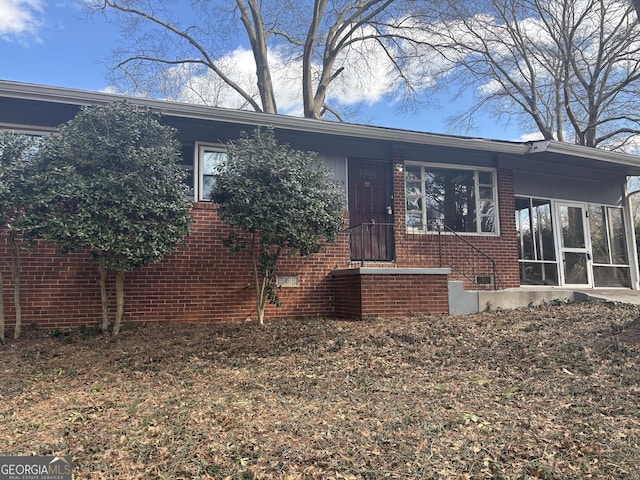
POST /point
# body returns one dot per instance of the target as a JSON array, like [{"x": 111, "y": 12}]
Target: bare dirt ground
[{"x": 550, "y": 393}]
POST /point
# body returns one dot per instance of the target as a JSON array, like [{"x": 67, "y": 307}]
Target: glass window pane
[
  {"x": 487, "y": 224},
  {"x": 487, "y": 216},
  {"x": 414, "y": 203},
  {"x": 207, "y": 186},
  {"x": 550, "y": 274},
  {"x": 486, "y": 207},
  {"x": 451, "y": 198},
  {"x": 611, "y": 277},
  {"x": 435, "y": 212},
  {"x": 412, "y": 173},
  {"x": 211, "y": 160},
  {"x": 413, "y": 188},
  {"x": 486, "y": 193},
  {"x": 447, "y": 196},
  {"x": 469, "y": 224},
  {"x": 538, "y": 273},
  {"x": 414, "y": 220},
  {"x": 575, "y": 268},
  {"x": 485, "y": 178},
  {"x": 599, "y": 240},
  {"x": 523, "y": 227},
  {"x": 545, "y": 243},
  {"x": 572, "y": 227},
  {"x": 617, "y": 237}
]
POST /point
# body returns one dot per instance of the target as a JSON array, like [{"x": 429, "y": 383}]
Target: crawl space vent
[{"x": 288, "y": 280}]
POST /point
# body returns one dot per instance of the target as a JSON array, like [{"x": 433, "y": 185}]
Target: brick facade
[
  {"x": 366, "y": 293},
  {"x": 203, "y": 282},
  {"x": 423, "y": 250},
  {"x": 200, "y": 282}
]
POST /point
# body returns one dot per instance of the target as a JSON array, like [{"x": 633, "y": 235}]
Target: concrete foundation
[
  {"x": 463, "y": 302},
  {"x": 521, "y": 297}
]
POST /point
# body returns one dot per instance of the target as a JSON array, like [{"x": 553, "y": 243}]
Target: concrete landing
[
  {"x": 512, "y": 298},
  {"x": 464, "y": 302},
  {"x": 612, "y": 295}
]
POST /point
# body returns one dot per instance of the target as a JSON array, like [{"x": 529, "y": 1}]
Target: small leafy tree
[
  {"x": 15, "y": 153},
  {"x": 111, "y": 184},
  {"x": 277, "y": 200}
]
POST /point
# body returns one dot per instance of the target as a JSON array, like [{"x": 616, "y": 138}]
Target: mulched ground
[{"x": 551, "y": 392}]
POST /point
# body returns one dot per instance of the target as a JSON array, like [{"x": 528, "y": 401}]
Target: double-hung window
[
  {"x": 209, "y": 157},
  {"x": 460, "y": 199}
]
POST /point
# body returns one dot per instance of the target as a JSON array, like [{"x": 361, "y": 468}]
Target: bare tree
[
  {"x": 570, "y": 67},
  {"x": 167, "y": 50}
]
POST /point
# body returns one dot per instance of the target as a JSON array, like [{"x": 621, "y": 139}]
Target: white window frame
[
  {"x": 476, "y": 182},
  {"x": 29, "y": 130},
  {"x": 200, "y": 149},
  {"x": 554, "y": 228}
]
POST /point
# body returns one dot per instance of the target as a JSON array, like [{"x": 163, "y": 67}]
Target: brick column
[{"x": 399, "y": 203}]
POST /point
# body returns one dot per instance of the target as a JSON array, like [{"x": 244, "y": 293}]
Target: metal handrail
[
  {"x": 358, "y": 251},
  {"x": 475, "y": 249}
]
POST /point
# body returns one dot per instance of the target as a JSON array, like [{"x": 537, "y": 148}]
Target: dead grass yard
[{"x": 550, "y": 393}]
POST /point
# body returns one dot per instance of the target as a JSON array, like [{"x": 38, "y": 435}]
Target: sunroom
[{"x": 573, "y": 218}]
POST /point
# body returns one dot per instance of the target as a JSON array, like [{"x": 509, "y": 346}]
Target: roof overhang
[
  {"x": 68, "y": 96},
  {"x": 578, "y": 154},
  {"x": 521, "y": 155}
]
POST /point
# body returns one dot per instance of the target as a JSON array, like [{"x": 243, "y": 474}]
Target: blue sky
[{"x": 55, "y": 43}]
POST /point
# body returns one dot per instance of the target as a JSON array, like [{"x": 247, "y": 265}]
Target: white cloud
[
  {"x": 20, "y": 18},
  {"x": 529, "y": 137},
  {"x": 367, "y": 78}
]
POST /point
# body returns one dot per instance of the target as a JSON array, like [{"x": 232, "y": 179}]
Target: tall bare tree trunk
[
  {"x": 309, "y": 107},
  {"x": 103, "y": 295},
  {"x": 119, "y": 302},
  {"x": 15, "y": 279},
  {"x": 261, "y": 292},
  {"x": 251, "y": 17}
]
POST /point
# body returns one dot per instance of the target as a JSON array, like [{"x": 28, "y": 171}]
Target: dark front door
[{"x": 370, "y": 212}]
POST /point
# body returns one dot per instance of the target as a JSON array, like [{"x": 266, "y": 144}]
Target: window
[
  {"x": 209, "y": 157},
  {"x": 536, "y": 245},
  {"x": 608, "y": 244},
  {"x": 462, "y": 200}
]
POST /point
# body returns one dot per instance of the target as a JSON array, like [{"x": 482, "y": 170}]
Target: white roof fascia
[
  {"x": 82, "y": 97},
  {"x": 569, "y": 149}
]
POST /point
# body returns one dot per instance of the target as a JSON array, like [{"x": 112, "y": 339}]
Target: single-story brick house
[{"x": 429, "y": 219}]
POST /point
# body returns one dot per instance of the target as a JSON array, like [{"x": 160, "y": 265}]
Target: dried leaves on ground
[{"x": 551, "y": 393}]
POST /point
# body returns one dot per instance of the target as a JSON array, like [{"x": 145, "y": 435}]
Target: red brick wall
[
  {"x": 348, "y": 298},
  {"x": 201, "y": 282},
  {"x": 388, "y": 295},
  {"x": 55, "y": 291}
]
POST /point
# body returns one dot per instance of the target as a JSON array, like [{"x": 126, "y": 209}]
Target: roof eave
[
  {"x": 568, "y": 149},
  {"x": 177, "y": 109}
]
